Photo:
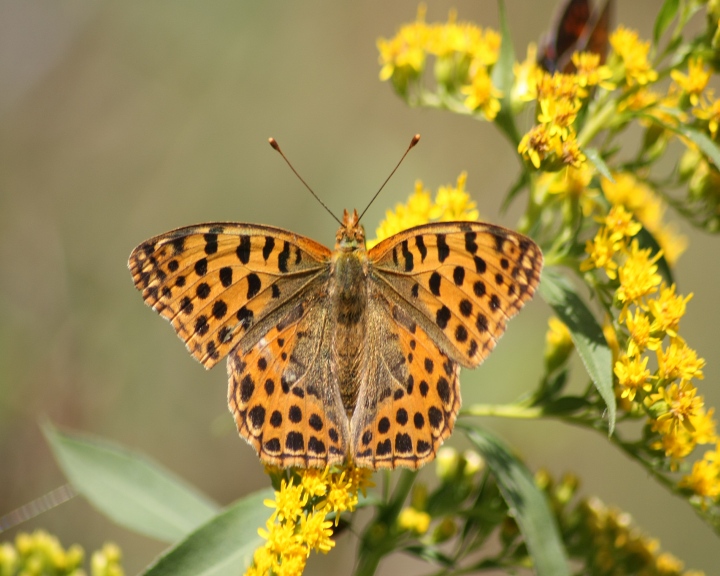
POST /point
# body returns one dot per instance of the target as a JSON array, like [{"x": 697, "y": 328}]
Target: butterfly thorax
[{"x": 348, "y": 294}]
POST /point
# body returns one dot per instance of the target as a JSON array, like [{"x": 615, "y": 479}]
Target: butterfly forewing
[
  {"x": 461, "y": 282},
  {"x": 215, "y": 282}
]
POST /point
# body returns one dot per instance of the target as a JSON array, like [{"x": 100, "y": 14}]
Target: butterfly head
[{"x": 351, "y": 234}]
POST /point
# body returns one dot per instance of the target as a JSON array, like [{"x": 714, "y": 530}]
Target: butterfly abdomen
[{"x": 348, "y": 294}]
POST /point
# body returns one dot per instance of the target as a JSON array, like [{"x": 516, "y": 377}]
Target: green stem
[
  {"x": 380, "y": 536},
  {"x": 597, "y": 122},
  {"x": 504, "y": 410}
]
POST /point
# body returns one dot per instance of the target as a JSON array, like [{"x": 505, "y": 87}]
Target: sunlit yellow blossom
[
  {"x": 648, "y": 208},
  {"x": 538, "y": 144},
  {"x": 709, "y": 110},
  {"x": 314, "y": 481},
  {"x": 638, "y": 275},
  {"x": 634, "y": 55},
  {"x": 704, "y": 479},
  {"x": 667, "y": 309},
  {"x": 637, "y": 100},
  {"x": 668, "y": 564},
  {"x": 414, "y": 520},
  {"x": 633, "y": 375},
  {"x": 571, "y": 154},
  {"x": 526, "y": 73},
  {"x": 293, "y": 562},
  {"x": 406, "y": 50},
  {"x": 677, "y": 443},
  {"x": 481, "y": 94},
  {"x": 640, "y": 338},
  {"x": 558, "y": 86},
  {"x": 340, "y": 497},
  {"x": 316, "y": 532},
  {"x": 589, "y": 71},
  {"x": 454, "y": 203},
  {"x": 679, "y": 361},
  {"x": 682, "y": 403},
  {"x": 673, "y": 243},
  {"x": 558, "y": 114},
  {"x": 486, "y": 48},
  {"x": 703, "y": 426},
  {"x": 620, "y": 223},
  {"x": 558, "y": 344},
  {"x": 695, "y": 81},
  {"x": 451, "y": 203},
  {"x": 359, "y": 479},
  {"x": 283, "y": 551},
  {"x": 558, "y": 341},
  {"x": 611, "y": 337},
  {"x": 601, "y": 251},
  {"x": 289, "y": 501},
  {"x": 464, "y": 38},
  {"x": 414, "y": 213}
]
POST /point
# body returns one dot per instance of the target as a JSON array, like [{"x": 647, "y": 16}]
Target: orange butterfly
[
  {"x": 576, "y": 29},
  {"x": 344, "y": 353}
]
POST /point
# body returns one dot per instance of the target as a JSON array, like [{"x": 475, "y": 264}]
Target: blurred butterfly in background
[{"x": 576, "y": 28}]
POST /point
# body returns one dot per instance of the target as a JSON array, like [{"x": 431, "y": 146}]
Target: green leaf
[
  {"x": 503, "y": 78},
  {"x": 225, "y": 545},
  {"x": 526, "y": 502},
  {"x": 596, "y": 160},
  {"x": 699, "y": 138},
  {"x": 586, "y": 333},
  {"x": 702, "y": 141},
  {"x": 128, "y": 487},
  {"x": 665, "y": 16}
]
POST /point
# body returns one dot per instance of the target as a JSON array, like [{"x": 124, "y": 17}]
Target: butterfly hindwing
[
  {"x": 283, "y": 393},
  {"x": 214, "y": 282},
  {"x": 408, "y": 403},
  {"x": 461, "y": 281}
]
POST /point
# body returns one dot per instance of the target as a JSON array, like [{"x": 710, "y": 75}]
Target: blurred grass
[{"x": 121, "y": 121}]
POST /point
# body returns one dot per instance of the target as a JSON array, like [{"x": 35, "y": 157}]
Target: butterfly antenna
[
  {"x": 275, "y": 145},
  {"x": 415, "y": 140}
]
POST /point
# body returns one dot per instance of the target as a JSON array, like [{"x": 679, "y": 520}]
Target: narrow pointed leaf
[
  {"x": 665, "y": 16},
  {"x": 586, "y": 333},
  {"x": 702, "y": 140},
  {"x": 526, "y": 502},
  {"x": 128, "y": 487},
  {"x": 596, "y": 160},
  {"x": 223, "y": 546}
]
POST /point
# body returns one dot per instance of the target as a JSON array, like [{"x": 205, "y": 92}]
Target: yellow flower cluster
[
  {"x": 40, "y": 553},
  {"x": 300, "y": 524},
  {"x": 626, "y": 190},
  {"x": 615, "y": 543},
  {"x": 648, "y": 324},
  {"x": 464, "y": 54},
  {"x": 552, "y": 143},
  {"x": 604, "y": 539},
  {"x": 633, "y": 54},
  {"x": 451, "y": 203}
]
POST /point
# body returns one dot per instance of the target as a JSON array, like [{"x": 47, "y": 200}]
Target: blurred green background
[{"x": 119, "y": 121}]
